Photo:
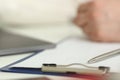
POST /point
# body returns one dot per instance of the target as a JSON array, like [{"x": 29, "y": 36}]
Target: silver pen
[{"x": 104, "y": 56}]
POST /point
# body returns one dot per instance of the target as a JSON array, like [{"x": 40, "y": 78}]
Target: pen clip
[{"x": 67, "y": 68}]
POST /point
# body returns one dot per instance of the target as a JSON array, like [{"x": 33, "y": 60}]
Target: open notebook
[{"x": 74, "y": 50}]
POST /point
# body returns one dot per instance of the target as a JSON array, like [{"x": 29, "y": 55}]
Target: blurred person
[{"x": 100, "y": 20}]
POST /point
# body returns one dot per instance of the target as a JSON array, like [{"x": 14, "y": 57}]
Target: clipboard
[
  {"x": 63, "y": 50},
  {"x": 39, "y": 71}
]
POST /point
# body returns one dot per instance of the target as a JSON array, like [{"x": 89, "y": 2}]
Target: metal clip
[{"x": 67, "y": 69}]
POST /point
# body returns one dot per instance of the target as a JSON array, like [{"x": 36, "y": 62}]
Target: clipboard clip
[{"x": 88, "y": 70}]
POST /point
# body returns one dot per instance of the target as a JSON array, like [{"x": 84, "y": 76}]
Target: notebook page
[{"x": 74, "y": 50}]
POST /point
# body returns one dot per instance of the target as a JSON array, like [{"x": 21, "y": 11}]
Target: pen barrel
[
  {"x": 105, "y": 56},
  {"x": 72, "y": 70}
]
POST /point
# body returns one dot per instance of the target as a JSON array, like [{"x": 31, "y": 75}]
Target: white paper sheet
[{"x": 75, "y": 50}]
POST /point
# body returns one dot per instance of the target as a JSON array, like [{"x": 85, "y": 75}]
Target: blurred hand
[{"x": 100, "y": 20}]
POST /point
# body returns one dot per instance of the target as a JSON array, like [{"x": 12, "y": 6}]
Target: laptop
[{"x": 11, "y": 43}]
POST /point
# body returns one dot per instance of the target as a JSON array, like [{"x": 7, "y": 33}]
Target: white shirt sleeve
[{"x": 37, "y": 11}]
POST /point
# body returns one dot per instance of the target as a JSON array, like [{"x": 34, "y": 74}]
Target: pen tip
[{"x": 91, "y": 61}]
